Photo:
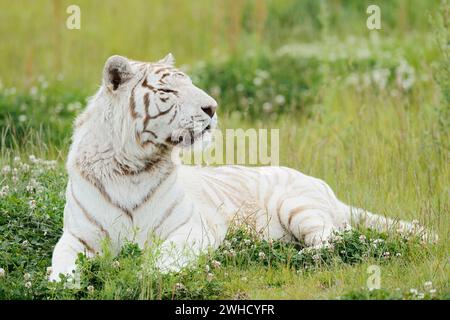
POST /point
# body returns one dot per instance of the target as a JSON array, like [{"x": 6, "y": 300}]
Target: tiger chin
[{"x": 127, "y": 184}]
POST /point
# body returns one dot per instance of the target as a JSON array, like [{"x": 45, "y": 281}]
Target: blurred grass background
[{"x": 36, "y": 42}]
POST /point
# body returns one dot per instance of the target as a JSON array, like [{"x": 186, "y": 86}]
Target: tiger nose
[{"x": 210, "y": 110}]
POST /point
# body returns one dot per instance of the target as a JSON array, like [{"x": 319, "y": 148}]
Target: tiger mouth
[{"x": 189, "y": 137}]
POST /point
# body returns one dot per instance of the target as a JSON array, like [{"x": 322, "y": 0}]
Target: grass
[{"x": 366, "y": 112}]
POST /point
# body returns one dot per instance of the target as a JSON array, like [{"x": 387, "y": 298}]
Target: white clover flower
[
  {"x": 207, "y": 268},
  {"x": 380, "y": 77},
  {"x": 22, "y": 118},
  {"x": 316, "y": 257},
  {"x": 179, "y": 286},
  {"x": 362, "y": 238},
  {"x": 116, "y": 264},
  {"x": 262, "y": 73},
  {"x": 244, "y": 279},
  {"x": 216, "y": 264},
  {"x": 6, "y": 169},
  {"x": 27, "y": 276},
  {"x": 28, "y": 284},
  {"x": 90, "y": 288},
  {"x": 257, "y": 81},
  {"x": 398, "y": 254},
  {"x": 405, "y": 75},
  {"x": 420, "y": 295},
  {"x": 280, "y": 99},
  {"x": 433, "y": 291},
  {"x": 32, "y": 204},
  {"x": 33, "y": 91},
  {"x": 267, "y": 107},
  {"x": 2, "y": 273},
  {"x": 413, "y": 291},
  {"x": 240, "y": 87},
  {"x": 428, "y": 284},
  {"x": 25, "y": 243},
  {"x": 209, "y": 277},
  {"x": 49, "y": 270},
  {"x": 232, "y": 253},
  {"x": 4, "y": 191},
  {"x": 386, "y": 254},
  {"x": 262, "y": 255}
]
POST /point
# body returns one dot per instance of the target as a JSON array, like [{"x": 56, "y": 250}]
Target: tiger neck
[{"x": 126, "y": 181}]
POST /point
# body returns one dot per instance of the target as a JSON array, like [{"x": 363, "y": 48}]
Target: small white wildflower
[
  {"x": 232, "y": 253},
  {"x": 247, "y": 242},
  {"x": 25, "y": 243},
  {"x": 49, "y": 270},
  {"x": 257, "y": 81},
  {"x": 428, "y": 284},
  {"x": 4, "y": 191},
  {"x": 386, "y": 254},
  {"x": 32, "y": 204},
  {"x": 413, "y": 291},
  {"x": 216, "y": 264},
  {"x": 6, "y": 169},
  {"x": 2, "y": 273},
  {"x": 433, "y": 291},
  {"x": 28, "y": 284},
  {"x": 240, "y": 87},
  {"x": 210, "y": 277},
  {"x": 244, "y": 279},
  {"x": 29, "y": 188},
  {"x": 22, "y": 118},
  {"x": 179, "y": 286},
  {"x": 116, "y": 264},
  {"x": 280, "y": 99},
  {"x": 207, "y": 268},
  {"x": 316, "y": 257},
  {"x": 90, "y": 288},
  {"x": 267, "y": 107},
  {"x": 362, "y": 238},
  {"x": 420, "y": 295},
  {"x": 262, "y": 255},
  {"x": 398, "y": 254},
  {"x": 27, "y": 276}
]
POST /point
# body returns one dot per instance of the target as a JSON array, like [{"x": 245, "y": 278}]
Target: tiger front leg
[
  {"x": 182, "y": 250},
  {"x": 65, "y": 255}
]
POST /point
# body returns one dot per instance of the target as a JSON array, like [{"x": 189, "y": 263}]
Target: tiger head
[{"x": 154, "y": 104}]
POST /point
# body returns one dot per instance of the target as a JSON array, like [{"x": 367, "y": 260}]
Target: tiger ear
[
  {"x": 168, "y": 59},
  {"x": 117, "y": 71}
]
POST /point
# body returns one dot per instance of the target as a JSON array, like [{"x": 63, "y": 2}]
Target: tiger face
[{"x": 155, "y": 104}]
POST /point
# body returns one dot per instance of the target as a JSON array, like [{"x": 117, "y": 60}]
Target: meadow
[{"x": 366, "y": 111}]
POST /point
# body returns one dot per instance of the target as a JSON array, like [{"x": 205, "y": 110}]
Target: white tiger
[{"x": 124, "y": 185}]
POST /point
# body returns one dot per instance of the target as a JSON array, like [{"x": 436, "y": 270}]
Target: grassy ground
[{"x": 367, "y": 112}]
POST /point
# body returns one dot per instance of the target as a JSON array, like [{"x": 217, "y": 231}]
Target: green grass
[{"x": 366, "y": 112}]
